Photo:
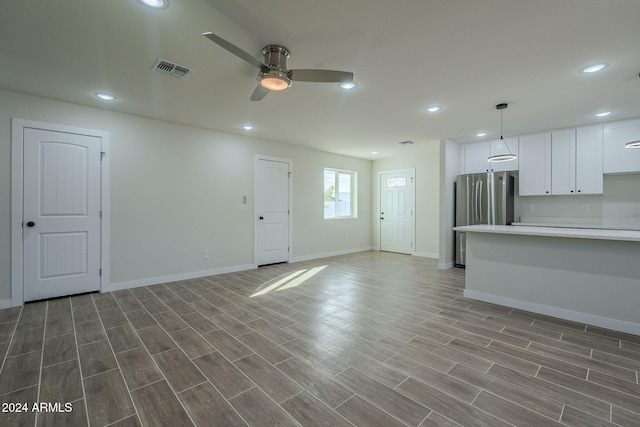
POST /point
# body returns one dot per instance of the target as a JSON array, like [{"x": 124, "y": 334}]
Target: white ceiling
[{"x": 465, "y": 55}]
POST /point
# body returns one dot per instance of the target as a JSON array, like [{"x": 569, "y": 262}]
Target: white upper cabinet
[
  {"x": 589, "y": 172},
  {"x": 576, "y": 161},
  {"x": 563, "y": 162},
  {"x": 535, "y": 164},
  {"x": 475, "y": 155},
  {"x": 617, "y": 158}
]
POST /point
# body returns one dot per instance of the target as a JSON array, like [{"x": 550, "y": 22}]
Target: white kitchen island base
[{"x": 591, "y": 277}]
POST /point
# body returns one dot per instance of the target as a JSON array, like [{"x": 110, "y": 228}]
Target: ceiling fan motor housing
[{"x": 275, "y": 58}]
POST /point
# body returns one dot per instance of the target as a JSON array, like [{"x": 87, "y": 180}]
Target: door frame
[
  {"x": 17, "y": 191},
  {"x": 256, "y": 162},
  {"x": 411, "y": 171}
]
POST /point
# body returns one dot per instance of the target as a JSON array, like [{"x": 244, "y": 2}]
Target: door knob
[
  {"x": 31, "y": 224},
  {"x": 261, "y": 218}
]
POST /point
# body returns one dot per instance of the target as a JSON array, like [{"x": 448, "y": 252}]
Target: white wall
[
  {"x": 175, "y": 191},
  {"x": 425, "y": 158},
  {"x": 618, "y": 206},
  {"x": 449, "y": 170}
]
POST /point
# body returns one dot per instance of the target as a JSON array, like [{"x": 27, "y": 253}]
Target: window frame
[{"x": 353, "y": 191}]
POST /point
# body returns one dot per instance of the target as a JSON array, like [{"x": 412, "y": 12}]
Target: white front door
[
  {"x": 61, "y": 214},
  {"x": 273, "y": 211},
  {"x": 396, "y": 211}
]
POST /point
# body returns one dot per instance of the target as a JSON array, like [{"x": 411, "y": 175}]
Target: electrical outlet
[
  {"x": 585, "y": 207},
  {"x": 205, "y": 254},
  {"x": 531, "y": 207}
]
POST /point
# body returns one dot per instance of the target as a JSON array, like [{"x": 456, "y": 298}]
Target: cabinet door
[
  {"x": 508, "y": 145},
  {"x": 475, "y": 157},
  {"x": 589, "y": 176},
  {"x": 617, "y": 158},
  {"x": 535, "y": 164},
  {"x": 563, "y": 162}
]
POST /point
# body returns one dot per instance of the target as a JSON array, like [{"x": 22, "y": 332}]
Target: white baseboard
[
  {"x": 426, "y": 255},
  {"x": 330, "y": 254},
  {"x": 590, "y": 319},
  {"x": 5, "y": 303},
  {"x": 175, "y": 277},
  {"x": 446, "y": 266}
]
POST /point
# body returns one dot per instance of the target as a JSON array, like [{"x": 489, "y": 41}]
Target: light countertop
[{"x": 575, "y": 233}]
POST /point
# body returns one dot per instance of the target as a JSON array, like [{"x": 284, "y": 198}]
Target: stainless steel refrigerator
[{"x": 482, "y": 198}]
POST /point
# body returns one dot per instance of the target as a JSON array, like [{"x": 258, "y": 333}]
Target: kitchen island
[{"x": 590, "y": 276}]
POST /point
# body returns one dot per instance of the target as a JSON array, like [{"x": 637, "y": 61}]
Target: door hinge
[
  {"x": 288, "y": 249},
  {"x": 102, "y": 154},
  {"x": 100, "y": 272},
  {"x": 100, "y": 214},
  {"x": 289, "y": 174},
  {"x": 411, "y": 179}
]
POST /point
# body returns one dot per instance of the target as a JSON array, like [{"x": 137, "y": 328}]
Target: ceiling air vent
[{"x": 174, "y": 70}]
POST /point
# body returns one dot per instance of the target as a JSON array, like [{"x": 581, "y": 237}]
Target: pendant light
[
  {"x": 632, "y": 144},
  {"x": 505, "y": 157}
]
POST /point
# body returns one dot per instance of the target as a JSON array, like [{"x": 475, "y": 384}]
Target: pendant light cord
[{"x": 501, "y": 133}]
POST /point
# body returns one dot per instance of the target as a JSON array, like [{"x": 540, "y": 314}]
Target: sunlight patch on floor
[{"x": 290, "y": 280}]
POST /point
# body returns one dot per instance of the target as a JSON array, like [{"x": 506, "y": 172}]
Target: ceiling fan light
[
  {"x": 632, "y": 144},
  {"x": 272, "y": 82}
]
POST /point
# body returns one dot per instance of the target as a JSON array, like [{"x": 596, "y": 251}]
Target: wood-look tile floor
[{"x": 369, "y": 339}]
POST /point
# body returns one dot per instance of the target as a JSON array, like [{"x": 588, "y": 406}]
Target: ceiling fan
[{"x": 273, "y": 74}]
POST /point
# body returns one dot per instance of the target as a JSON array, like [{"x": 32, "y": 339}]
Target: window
[
  {"x": 397, "y": 182},
  {"x": 339, "y": 194}
]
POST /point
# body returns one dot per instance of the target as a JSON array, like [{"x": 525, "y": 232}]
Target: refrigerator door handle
[
  {"x": 468, "y": 205},
  {"x": 479, "y": 198},
  {"x": 475, "y": 202}
]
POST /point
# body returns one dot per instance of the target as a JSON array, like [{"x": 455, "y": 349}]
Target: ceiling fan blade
[
  {"x": 234, "y": 49},
  {"x": 325, "y": 76},
  {"x": 259, "y": 93}
]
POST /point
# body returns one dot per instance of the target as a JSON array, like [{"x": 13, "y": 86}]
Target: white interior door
[
  {"x": 61, "y": 214},
  {"x": 273, "y": 211},
  {"x": 396, "y": 211}
]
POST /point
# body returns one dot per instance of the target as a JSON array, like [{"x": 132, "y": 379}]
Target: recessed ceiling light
[
  {"x": 594, "y": 68},
  {"x": 433, "y": 108},
  {"x": 105, "y": 96},
  {"x": 348, "y": 85},
  {"x": 481, "y": 134},
  {"x": 156, "y": 4},
  {"x": 374, "y": 152},
  {"x": 603, "y": 114},
  {"x": 247, "y": 127}
]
